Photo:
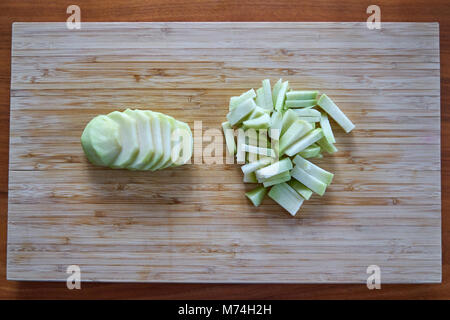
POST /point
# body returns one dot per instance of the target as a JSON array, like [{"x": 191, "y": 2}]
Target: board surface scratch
[{"x": 193, "y": 223}]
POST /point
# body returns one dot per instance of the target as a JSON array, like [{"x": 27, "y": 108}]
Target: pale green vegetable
[
  {"x": 259, "y": 97},
  {"x": 145, "y": 139},
  {"x": 289, "y": 117},
  {"x": 240, "y": 154},
  {"x": 333, "y": 110},
  {"x": 158, "y": 150},
  {"x": 235, "y": 101},
  {"x": 274, "y": 169},
  {"x": 101, "y": 141},
  {"x": 267, "y": 94},
  {"x": 259, "y": 150},
  {"x": 253, "y": 166},
  {"x": 281, "y": 96},
  {"x": 310, "y": 152},
  {"x": 302, "y": 95},
  {"x": 256, "y": 113},
  {"x": 314, "y": 170},
  {"x": 308, "y": 180},
  {"x": 286, "y": 197},
  {"x": 128, "y": 139},
  {"x": 310, "y": 119},
  {"x": 301, "y": 189},
  {"x": 295, "y": 132},
  {"x": 229, "y": 137},
  {"x": 256, "y": 195},
  {"x": 262, "y": 122},
  {"x": 279, "y": 178},
  {"x": 304, "y": 142},
  {"x": 237, "y": 114},
  {"x": 250, "y": 178},
  {"x": 166, "y": 123},
  {"x": 300, "y": 103},
  {"x": 326, "y": 127},
  {"x": 276, "y": 90},
  {"x": 276, "y": 123},
  {"x": 307, "y": 112},
  {"x": 325, "y": 145}
]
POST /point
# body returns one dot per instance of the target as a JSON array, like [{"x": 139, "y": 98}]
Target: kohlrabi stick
[
  {"x": 307, "y": 112},
  {"x": 304, "y": 142},
  {"x": 300, "y": 103},
  {"x": 235, "y": 101},
  {"x": 276, "y": 90},
  {"x": 253, "y": 166},
  {"x": 310, "y": 152},
  {"x": 279, "y": 178},
  {"x": 276, "y": 122},
  {"x": 333, "y": 110},
  {"x": 316, "y": 171},
  {"x": 301, "y": 189},
  {"x": 286, "y": 197},
  {"x": 274, "y": 169},
  {"x": 229, "y": 137},
  {"x": 262, "y": 122},
  {"x": 260, "y": 151},
  {"x": 297, "y": 130},
  {"x": 237, "y": 114},
  {"x": 267, "y": 91},
  {"x": 250, "y": 178},
  {"x": 256, "y": 195},
  {"x": 301, "y": 95},
  {"x": 260, "y": 97},
  {"x": 281, "y": 96},
  {"x": 308, "y": 180},
  {"x": 325, "y": 145},
  {"x": 326, "y": 127},
  {"x": 240, "y": 155}
]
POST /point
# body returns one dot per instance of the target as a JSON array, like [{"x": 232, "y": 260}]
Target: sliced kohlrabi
[
  {"x": 259, "y": 151},
  {"x": 301, "y": 189},
  {"x": 259, "y": 97},
  {"x": 310, "y": 119},
  {"x": 281, "y": 96},
  {"x": 325, "y": 145},
  {"x": 240, "y": 154},
  {"x": 182, "y": 144},
  {"x": 300, "y": 103},
  {"x": 307, "y": 112},
  {"x": 237, "y": 114},
  {"x": 166, "y": 123},
  {"x": 267, "y": 95},
  {"x": 128, "y": 139},
  {"x": 304, "y": 142},
  {"x": 326, "y": 127},
  {"x": 229, "y": 137},
  {"x": 262, "y": 122},
  {"x": 276, "y": 90},
  {"x": 235, "y": 101},
  {"x": 101, "y": 141},
  {"x": 286, "y": 197},
  {"x": 158, "y": 150},
  {"x": 333, "y": 111},
  {"x": 310, "y": 152},
  {"x": 253, "y": 166},
  {"x": 144, "y": 138},
  {"x": 279, "y": 178},
  {"x": 314, "y": 170},
  {"x": 276, "y": 122},
  {"x": 274, "y": 169},
  {"x": 301, "y": 95},
  {"x": 289, "y": 117},
  {"x": 296, "y": 131},
  {"x": 256, "y": 195},
  {"x": 308, "y": 180},
  {"x": 250, "y": 178}
]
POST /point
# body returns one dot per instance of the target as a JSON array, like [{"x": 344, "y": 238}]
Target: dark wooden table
[{"x": 220, "y": 10}]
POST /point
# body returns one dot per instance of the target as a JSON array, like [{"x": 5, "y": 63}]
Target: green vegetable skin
[
  {"x": 137, "y": 140},
  {"x": 256, "y": 195}
]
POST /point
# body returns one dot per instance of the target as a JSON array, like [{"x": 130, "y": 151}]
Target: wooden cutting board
[{"x": 193, "y": 223}]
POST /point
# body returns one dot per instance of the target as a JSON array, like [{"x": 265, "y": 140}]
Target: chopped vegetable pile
[{"x": 298, "y": 128}]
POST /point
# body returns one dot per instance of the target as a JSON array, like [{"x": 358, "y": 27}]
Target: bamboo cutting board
[{"x": 193, "y": 223}]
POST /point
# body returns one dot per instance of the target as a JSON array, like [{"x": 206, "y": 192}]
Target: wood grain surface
[{"x": 20, "y": 289}]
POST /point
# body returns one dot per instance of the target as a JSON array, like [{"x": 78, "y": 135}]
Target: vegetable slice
[
  {"x": 326, "y": 127},
  {"x": 302, "y": 95},
  {"x": 325, "y": 145},
  {"x": 275, "y": 125},
  {"x": 237, "y": 114},
  {"x": 333, "y": 110},
  {"x": 281, "y": 96},
  {"x": 276, "y": 90},
  {"x": 308, "y": 180},
  {"x": 258, "y": 150},
  {"x": 307, "y": 112},
  {"x": 229, "y": 137},
  {"x": 310, "y": 152},
  {"x": 300, "y": 103},
  {"x": 289, "y": 118},
  {"x": 260, "y": 97},
  {"x": 301, "y": 189},
  {"x": 128, "y": 139},
  {"x": 256, "y": 195},
  {"x": 144, "y": 138},
  {"x": 267, "y": 95},
  {"x": 235, "y": 101},
  {"x": 304, "y": 142},
  {"x": 166, "y": 124},
  {"x": 316, "y": 171},
  {"x": 253, "y": 166},
  {"x": 296, "y": 131},
  {"x": 262, "y": 122},
  {"x": 274, "y": 169},
  {"x": 279, "y": 178},
  {"x": 286, "y": 197},
  {"x": 250, "y": 178}
]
